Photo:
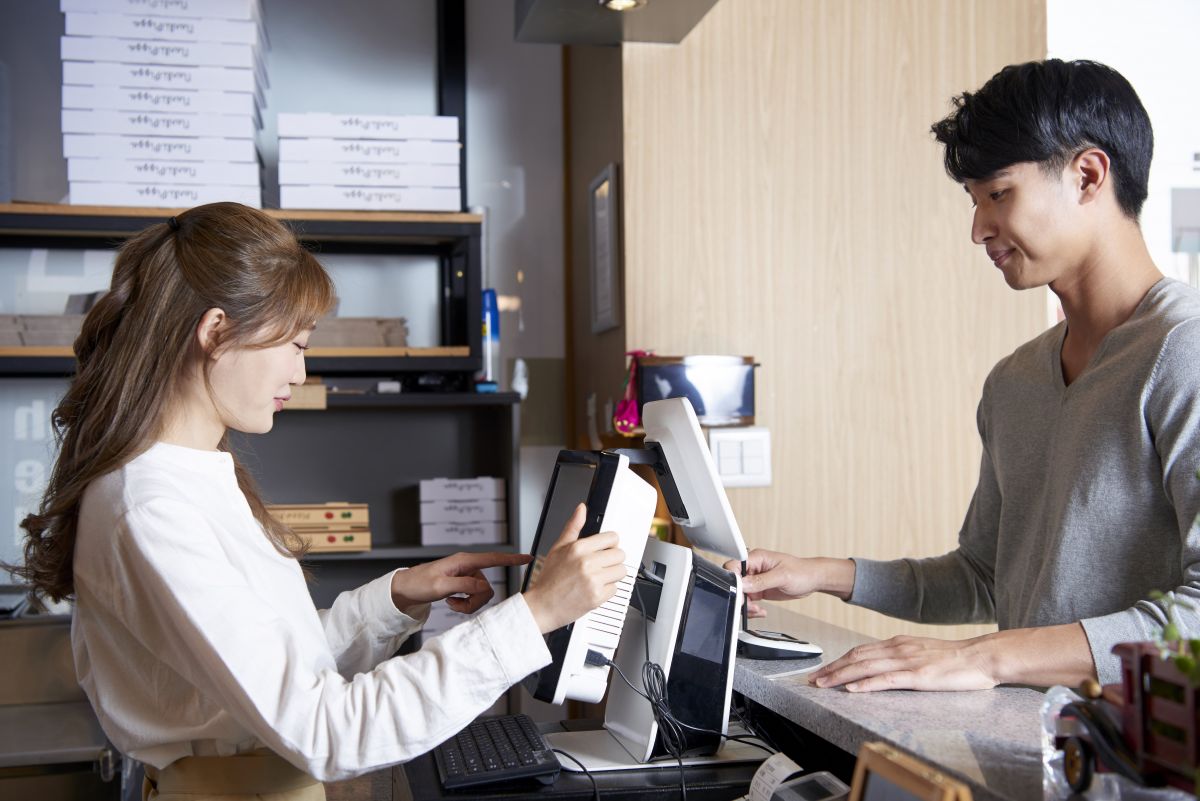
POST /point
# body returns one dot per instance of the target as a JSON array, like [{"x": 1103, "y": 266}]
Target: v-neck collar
[{"x": 1056, "y": 351}]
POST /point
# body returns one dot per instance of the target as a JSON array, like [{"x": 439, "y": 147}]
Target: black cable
[
  {"x": 588, "y": 773},
  {"x": 764, "y": 746},
  {"x": 654, "y": 680},
  {"x": 670, "y": 734},
  {"x": 746, "y": 718}
]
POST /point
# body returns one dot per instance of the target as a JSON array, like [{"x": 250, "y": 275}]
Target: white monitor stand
[
  {"x": 630, "y": 731},
  {"x": 696, "y": 499}
]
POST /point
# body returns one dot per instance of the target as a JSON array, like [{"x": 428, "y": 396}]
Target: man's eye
[{"x": 999, "y": 193}]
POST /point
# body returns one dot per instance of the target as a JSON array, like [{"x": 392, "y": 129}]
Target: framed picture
[
  {"x": 604, "y": 255},
  {"x": 884, "y": 774}
]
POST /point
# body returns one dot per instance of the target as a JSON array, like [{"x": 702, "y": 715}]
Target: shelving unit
[
  {"x": 375, "y": 449},
  {"x": 364, "y": 448},
  {"x": 454, "y": 239},
  {"x": 420, "y": 553}
]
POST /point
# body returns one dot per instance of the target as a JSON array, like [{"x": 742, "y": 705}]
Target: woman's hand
[
  {"x": 576, "y": 576},
  {"x": 457, "y": 575},
  {"x": 774, "y": 576}
]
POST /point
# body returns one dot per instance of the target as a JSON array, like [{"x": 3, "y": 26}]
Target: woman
[{"x": 194, "y": 634}]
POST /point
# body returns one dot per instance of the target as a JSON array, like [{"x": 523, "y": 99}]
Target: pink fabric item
[{"x": 626, "y": 418}]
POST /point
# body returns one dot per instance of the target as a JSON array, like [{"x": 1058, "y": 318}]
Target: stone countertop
[{"x": 989, "y": 738}]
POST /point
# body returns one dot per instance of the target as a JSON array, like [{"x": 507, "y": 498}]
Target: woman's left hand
[
  {"x": 449, "y": 578},
  {"x": 911, "y": 663}
]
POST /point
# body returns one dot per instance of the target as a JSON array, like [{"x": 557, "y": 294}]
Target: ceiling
[{"x": 588, "y": 22}]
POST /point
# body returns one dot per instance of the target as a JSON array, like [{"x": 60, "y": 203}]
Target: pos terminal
[{"x": 678, "y": 637}]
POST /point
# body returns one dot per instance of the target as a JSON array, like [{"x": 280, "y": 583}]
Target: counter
[{"x": 989, "y": 738}]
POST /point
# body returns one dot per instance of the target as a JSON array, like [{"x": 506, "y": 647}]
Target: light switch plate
[{"x": 742, "y": 455}]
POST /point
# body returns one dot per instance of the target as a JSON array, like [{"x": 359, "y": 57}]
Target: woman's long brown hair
[{"x": 138, "y": 343}]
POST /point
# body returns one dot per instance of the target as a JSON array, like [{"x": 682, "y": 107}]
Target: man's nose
[{"x": 982, "y": 228}]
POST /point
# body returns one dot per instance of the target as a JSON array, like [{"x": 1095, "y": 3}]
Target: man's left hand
[{"x": 911, "y": 663}]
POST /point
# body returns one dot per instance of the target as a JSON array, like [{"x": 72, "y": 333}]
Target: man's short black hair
[{"x": 1048, "y": 112}]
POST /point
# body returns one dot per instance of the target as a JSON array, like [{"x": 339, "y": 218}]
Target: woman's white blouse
[{"x": 193, "y": 636}]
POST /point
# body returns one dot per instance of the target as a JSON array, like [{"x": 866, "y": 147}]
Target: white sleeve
[
  {"x": 201, "y": 615},
  {"x": 364, "y": 627}
]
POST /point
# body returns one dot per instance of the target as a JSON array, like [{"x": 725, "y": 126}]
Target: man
[{"x": 1091, "y": 432}]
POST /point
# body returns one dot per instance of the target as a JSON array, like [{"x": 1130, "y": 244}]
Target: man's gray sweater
[{"x": 1087, "y": 493}]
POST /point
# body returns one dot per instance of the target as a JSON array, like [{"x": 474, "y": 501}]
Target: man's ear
[
  {"x": 1090, "y": 173},
  {"x": 208, "y": 330}
]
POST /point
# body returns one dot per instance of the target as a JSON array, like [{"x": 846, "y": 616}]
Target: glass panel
[
  {"x": 387, "y": 287},
  {"x": 27, "y": 453},
  {"x": 45, "y": 283},
  {"x": 40, "y": 281}
]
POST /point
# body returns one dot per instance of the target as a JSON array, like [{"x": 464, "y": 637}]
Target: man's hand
[
  {"x": 911, "y": 663},
  {"x": 1042, "y": 656},
  {"x": 457, "y": 575},
  {"x": 774, "y": 576}
]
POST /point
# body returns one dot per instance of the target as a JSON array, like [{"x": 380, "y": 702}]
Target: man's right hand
[
  {"x": 774, "y": 576},
  {"x": 576, "y": 576}
]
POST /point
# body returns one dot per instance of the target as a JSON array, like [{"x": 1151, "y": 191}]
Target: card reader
[{"x": 775, "y": 645}]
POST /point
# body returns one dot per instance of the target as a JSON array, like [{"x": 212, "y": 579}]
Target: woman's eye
[
  {"x": 999, "y": 193},
  {"x": 301, "y": 347}
]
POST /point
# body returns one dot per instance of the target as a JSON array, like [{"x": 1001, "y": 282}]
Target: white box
[
  {"x": 164, "y": 172},
  {"x": 369, "y": 198},
  {"x": 145, "y": 51},
  {"x": 486, "y": 511},
  {"x": 232, "y": 126},
  {"x": 184, "y": 29},
  {"x": 470, "y": 489},
  {"x": 219, "y": 9},
  {"x": 171, "y": 148},
  {"x": 132, "y": 98},
  {"x": 368, "y": 126},
  {"x": 372, "y": 151},
  {"x": 174, "y": 197},
  {"x": 323, "y": 173},
  {"x": 463, "y": 533},
  {"x": 150, "y": 76}
]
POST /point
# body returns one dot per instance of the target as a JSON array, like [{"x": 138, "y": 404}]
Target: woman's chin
[{"x": 252, "y": 426}]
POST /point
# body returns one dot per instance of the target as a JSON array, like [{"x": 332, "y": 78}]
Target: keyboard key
[{"x": 493, "y": 750}]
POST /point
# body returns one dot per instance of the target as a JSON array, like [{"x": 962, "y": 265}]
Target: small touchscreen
[{"x": 570, "y": 487}]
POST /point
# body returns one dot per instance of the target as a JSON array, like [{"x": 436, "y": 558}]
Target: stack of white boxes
[
  {"x": 162, "y": 102},
  {"x": 463, "y": 511},
  {"x": 458, "y": 512},
  {"x": 369, "y": 162}
]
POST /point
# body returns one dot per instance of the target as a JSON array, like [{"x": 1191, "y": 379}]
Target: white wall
[
  {"x": 1153, "y": 44},
  {"x": 515, "y": 172}
]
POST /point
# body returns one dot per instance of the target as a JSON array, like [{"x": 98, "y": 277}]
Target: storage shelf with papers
[
  {"x": 368, "y": 448},
  {"x": 418, "y": 553},
  {"x": 452, "y": 239},
  {"x": 376, "y": 449},
  {"x": 364, "y": 447}
]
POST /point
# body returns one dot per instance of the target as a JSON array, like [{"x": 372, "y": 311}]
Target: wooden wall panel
[
  {"x": 784, "y": 199},
  {"x": 592, "y": 77}
]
